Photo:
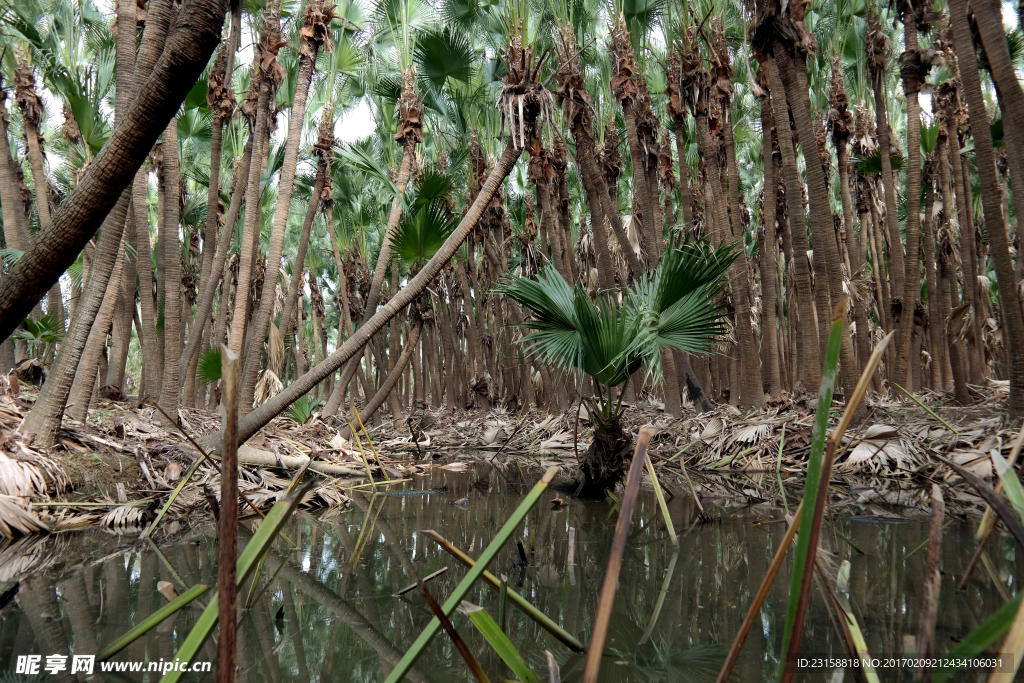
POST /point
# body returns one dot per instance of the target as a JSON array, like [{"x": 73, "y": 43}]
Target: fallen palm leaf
[
  {"x": 124, "y": 518},
  {"x": 16, "y": 518}
]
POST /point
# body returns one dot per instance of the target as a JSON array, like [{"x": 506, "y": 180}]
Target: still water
[{"x": 325, "y": 611}]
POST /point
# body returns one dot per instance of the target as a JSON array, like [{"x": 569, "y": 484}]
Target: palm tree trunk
[
  {"x": 793, "y": 69},
  {"x": 769, "y": 340},
  {"x": 300, "y": 254},
  {"x": 749, "y": 362},
  {"x": 912, "y": 279},
  {"x": 897, "y": 270},
  {"x": 210, "y": 281},
  {"x": 1009, "y": 298},
  {"x": 684, "y": 175},
  {"x": 251, "y": 225},
  {"x": 15, "y": 233},
  {"x": 255, "y": 420},
  {"x": 170, "y": 259},
  {"x": 807, "y": 334},
  {"x": 44, "y": 419},
  {"x": 86, "y": 208},
  {"x": 261, "y": 320},
  {"x": 82, "y": 388}
]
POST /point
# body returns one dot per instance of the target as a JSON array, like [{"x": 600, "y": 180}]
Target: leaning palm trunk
[
  {"x": 254, "y": 421},
  {"x": 315, "y": 32},
  {"x": 46, "y": 415},
  {"x": 410, "y": 133},
  {"x": 518, "y": 85},
  {"x": 86, "y": 208},
  {"x": 1009, "y": 298}
]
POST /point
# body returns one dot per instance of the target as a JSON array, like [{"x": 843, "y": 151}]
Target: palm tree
[{"x": 677, "y": 305}]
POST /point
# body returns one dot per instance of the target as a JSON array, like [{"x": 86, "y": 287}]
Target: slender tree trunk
[
  {"x": 211, "y": 280},
  {"x": 170, "y": 259},
  {"x": 751, "y": 384},
  {"x": 252, "y": 221},
  {"x": 261, "y": 319},
  {"x": 912, "y": 279},
  {"x": 769, "y": 340},
  {"x": 1009, "y": 298},
  {"x": 807, "y": 334},
  {"x": 685, "y": 198},
  {"x": 300, "y": 255}
]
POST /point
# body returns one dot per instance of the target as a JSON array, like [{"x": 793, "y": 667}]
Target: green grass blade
[
  {"x": 803, "y": 558},
  {"x": 1011, "y": 484},
  {"x": 489, "y": 553},
  {"x": 980, "y": 638},
  {"x": 152, "y": 621},
  {"x": 498, "y": 641},
  {"x": 842, "y": 589},
  {"x": 254, "y": 550}
]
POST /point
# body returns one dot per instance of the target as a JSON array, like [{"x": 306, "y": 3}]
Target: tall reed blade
[
  {"x": 762, "y": 592},
  {"x": 530, "y": 610},
  {"x": 449, "y": 628},
  {"x": 489, "y": 553},
  {"x": 611, "y": 577},
  {"x": 498, "y": 641},
  {"x": 819, "y": 468}
]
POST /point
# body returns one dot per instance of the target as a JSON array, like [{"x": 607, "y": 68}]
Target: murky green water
[{"x": 325, "y": 611}]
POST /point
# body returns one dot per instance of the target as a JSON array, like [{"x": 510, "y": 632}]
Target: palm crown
[{"x": 679, "y": 305}]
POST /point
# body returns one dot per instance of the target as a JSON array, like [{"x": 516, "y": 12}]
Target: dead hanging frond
[
  {"x": 410, "y": 110},
  {"x": 316, "y": 28},
  {"x": 524, "y": 103},
  {"x": 960, "y": 324},
  {"x": 275, "y": 349},
  {"x": 268, "y": 386}
]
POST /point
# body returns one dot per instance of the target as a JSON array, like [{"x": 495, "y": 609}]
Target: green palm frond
[
  {"x": 555, "y": 338},
  {"x": 444, "y": 54},
  {"x": 422, "y": 233},
  {"x": 208, "y": 369},
  {"x": 606, "y": 337}
]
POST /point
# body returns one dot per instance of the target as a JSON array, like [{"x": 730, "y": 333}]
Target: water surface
[{"x": 325, "y": 611}]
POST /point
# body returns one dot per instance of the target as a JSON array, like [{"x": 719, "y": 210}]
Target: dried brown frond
[{"x": 17, "y": 518}]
